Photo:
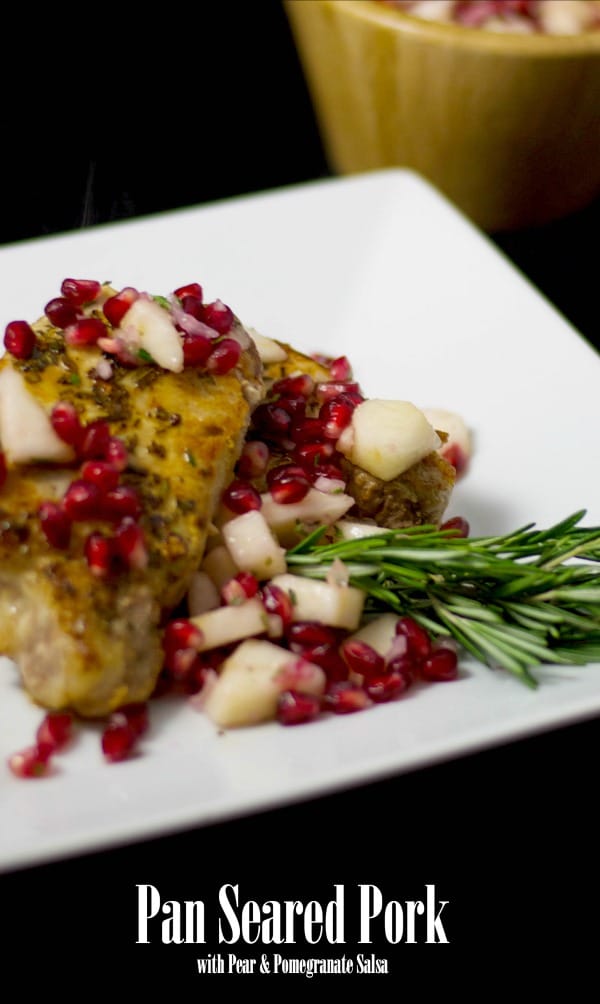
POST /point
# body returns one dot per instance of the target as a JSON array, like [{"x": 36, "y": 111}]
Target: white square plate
[{"x": 381, "y": 268}]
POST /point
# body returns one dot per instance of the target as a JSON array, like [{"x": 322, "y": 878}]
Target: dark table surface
[{"x": 508, "y": 836}]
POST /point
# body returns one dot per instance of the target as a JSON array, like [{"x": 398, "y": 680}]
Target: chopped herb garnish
[
  {"x": 189, "y": 456},
  {"x": 145, "y": 356},
  {"x": 75, "y": 379},
  {"x": 162, "y": 302}
]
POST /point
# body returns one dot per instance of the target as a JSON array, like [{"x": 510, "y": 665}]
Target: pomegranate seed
[
  {"x": 404, "y": 665},
  {"x": 271, "y": 418},
  {"x": 61, "y": 312},
  {"x": 363, "y": 659},
  {"x": 253, "y": 460},
  {"x": 30, "y": 762},
  {"x": 294, "y": 386},
  {"x": 249, "y": 583},
  {"x": 120, "y": 502},
  {"x": 241, "y": 497},
  {"x": 307, "y": 430},
  {"x": 287, "y": 483},
  {"x": 458, "y": 524},
  {"x": 196, "y": 350},
  {"x": 218, "y": 316},
  {"x": 301, "y": 634},
  {"x": 419, "y": 644},
  {"x": 81, "y": 500},
  {"x": 309, "y": 455},
  {"x": 344, "y": 698},
  {"x": 136, "y": 716},
  {"x": 116, "y": 453},
  {"x": 329, "y": 659},
  {"x": 181, "y": 633},
  {"x": 329, "y": 471},
  {"x": 80, "y": 291},
  {"x": 233, "y": 593},
  {"x": 385, "y": 687},
  {"x": 192, "y": 305},
  {"x": 336, "y": 415},
  {"x": 192, "y": 289},
  {"x": 66, "y": 424},
  {"x": 55, "y": 730},
  {"x": 294, "y": 405},
  {"x": 2, "y": 468},
  {"x": 456, "y": 456},
  {"x": 340, "y": 369},
  {"x": 86, "y": 331},
  {"x": 100, "y": 473},
  {"x": 117, "y": 306},
  {"x": 294, "y": 708},
  {"x": 224, "y": 356},
  {"x": 130, "y": 544},
  {"x": 332, "y": 388},
  {"x": 440, "y": 666},
  {"x": 95, "y": 440},
  {"x": 118, "y": 740},
  {"x": 55, "y": 524},
  {"x": 99, "y": 553},
  {"x": 19, "y": 339},
  {"x": 277, "y": 601}
]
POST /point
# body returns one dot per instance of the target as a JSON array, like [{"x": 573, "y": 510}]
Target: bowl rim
[{"x": 509, "y": 43}]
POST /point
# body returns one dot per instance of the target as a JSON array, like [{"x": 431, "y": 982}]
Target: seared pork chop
[{"x": 81, "y": 602}]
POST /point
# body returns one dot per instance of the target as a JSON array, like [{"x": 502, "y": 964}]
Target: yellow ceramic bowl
[{"x": 508, "y": 126}]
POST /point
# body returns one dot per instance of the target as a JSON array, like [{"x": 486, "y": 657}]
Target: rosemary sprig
[{"x": 515, "y": 601}]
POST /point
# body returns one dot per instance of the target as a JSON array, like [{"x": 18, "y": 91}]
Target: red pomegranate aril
[
  {"x": 330, "y": 471},
  {"x": 249, "y": 583},
  {"x": 136, "y": 716},
  {"x": 66, "y": 424},
  {"x": 130, "y": 544},
  {"x": 301, "y": 385},
  {"x": 117, "y": 306},
  {"x": 241, "y": 497},
  {"x": 118, "y": 740},
  {"x": 192, "y": 289},
  {"x": 277, "y": 601},
  {"x": 456, "y": 456},
  {"x": 419, "y": 643},
  {"x": 80, "y": 291},
  {"x": 362, "y": 658},
  {"x": 218, "y": 316},
  {"x": 294, "y": 708},
  {"x": 81, "y": 500},
  {"x": 30, "y": 762},
  {"x": 308, "y": 455},
  {"x": 386, "y": 687},
  {"x": 224, "y": 356},
  {"x": 100, "y": 473},
  {"x": 329, "y": 659},
  {"x": 307, "y": 430},
  {"x": 336, "y": 415},
  {"x": 333, "y": 388},
  {"x": 303, "y": 634},
  {"x": 294, "y": 405},
  {"x": 405, "y": 665},
  {"x": 95, "y": 440},
  {"x": 55, "y": 524},
  {"x": 196, "y": 350},
  {"x": 86, "y": 331},
  {"x": 61, "y": 312},
  {"x": 253, "y": 460},
  {"x": 116, "y": 453},
  {"x": 440, "y": 666},
  {"x": 458, "y": 524},
  {"x": 191, "y": 304},
  {"x": 340, "y": 369},
  {"x": 344, "y": 698},
  {"x": 120, "y": 502},
  {"x": 272, "y": 419},
  {"x": 284, "y": 473},
  {"x": 233, "y": 593},
  {"x": 181, "y": 633},
  {"x": 289, "y": 492},
  {"x": 100, "y": 554},
  {"x": 3, "y": 470},
  {"x": 19, "y": 339},
  {"x": 55, "y": 730}
]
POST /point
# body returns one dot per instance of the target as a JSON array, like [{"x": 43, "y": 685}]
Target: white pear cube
[
  {"x": 219, "y": 565},
  {"x": 455, "y": 428},
  {"x": 331, "y": 604},
  {"x": 203, "y": 595},
  {"x": 354, "y": 529},
  {"x": 26, "y": 431},
  {"x": 385, "y": 438},
  {"x": 318, "y": 508},
  {"x": 251, "y": 681},
  {"x": 158, "y": 335},
  {"x": 379, "y": 633},
  {"x": 268, "y": 350},
  {"x": 230, "y": 624},
  {"x": 253, "y": 547}
]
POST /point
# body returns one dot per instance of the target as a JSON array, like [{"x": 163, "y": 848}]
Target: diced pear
[
  {"x": 379, "y": 633},
  {"x": 219, "y": 565},
  {"x": 354, "y": 529},
  {"x": 252, "y": 545},
  {"x": 203, "y": 595},
  {"x": 26, "y": 431},
  {"x": 455, "y": 428},
  {"x": 313, "y": 600},
  {"x": 251, "y": 680},
  {"x": 316, "y": 507},
  {"x": 268, "y": 350},
  {"x": 385, "y": 438},
  {"x": 158, "y": 335},
  {"x": 230, "y": 624}
]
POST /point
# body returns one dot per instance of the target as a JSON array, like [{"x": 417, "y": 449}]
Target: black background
[{"x": 110, "y": 115}]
